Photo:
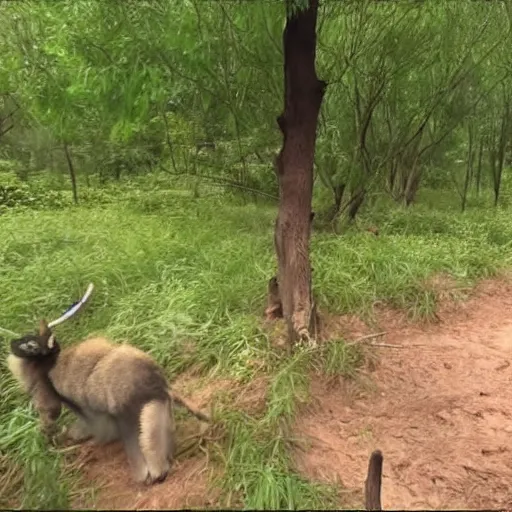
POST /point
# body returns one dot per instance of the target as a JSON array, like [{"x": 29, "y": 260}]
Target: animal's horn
[
  {"x": 74, "y": 308},
  {"x": 44, "y": 328}
]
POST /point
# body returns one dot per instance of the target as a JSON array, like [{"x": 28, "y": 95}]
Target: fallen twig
[
  {"x": 387, "y": 345},
  {"x": 68, "y": 448},
  {"x": 368, "y": 337},
  {"x": 503, "y": 366},
  {"x": 189, "y": 447}
]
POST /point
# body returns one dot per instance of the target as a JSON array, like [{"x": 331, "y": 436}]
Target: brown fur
[
  {"x": 116, "y": 391},
  {"x": 157, "y": 444},
  {"x": 99, "y": 364},
  {"x": 44, "y": 398},
  {"x": 274, "y": 305},
  {"x": 372, "y": 488}
]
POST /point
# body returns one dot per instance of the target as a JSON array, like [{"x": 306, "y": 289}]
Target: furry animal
[
  {"x": 274, "y": 306},
  {"x": 373, "y": 481},
  {"x": 116, "y": 391}
]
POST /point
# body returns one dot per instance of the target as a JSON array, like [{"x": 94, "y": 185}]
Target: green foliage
[
  {"x": 16, "y": 194},
  {"x": 341, "y": 358},
  {"x": 257, "y": 467},
  {"x": 100, "y": 75},
  {"x": 131, "y": 87},
  {"x": 412, "y": 77},
  {"x": 258, "y": 460},
  {"x": 186, "y": 282}
]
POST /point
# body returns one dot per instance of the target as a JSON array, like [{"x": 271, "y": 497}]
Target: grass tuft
[
  {"x": 341, "y": 358},
  {"x": 258, "y": 465}
]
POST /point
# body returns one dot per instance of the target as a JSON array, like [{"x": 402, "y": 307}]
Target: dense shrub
[{"x": 17, "y": 194}]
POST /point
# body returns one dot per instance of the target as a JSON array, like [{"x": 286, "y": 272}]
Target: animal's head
[
  {"x": 273, "y": 284},
  {"x": 36, "y": 346}
]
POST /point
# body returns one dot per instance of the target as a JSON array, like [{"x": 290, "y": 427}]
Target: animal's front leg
[
  {"x": 48, "y": 423},
  {"x": 48, "y": 406}
]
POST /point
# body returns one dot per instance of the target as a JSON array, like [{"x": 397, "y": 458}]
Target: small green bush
[{"x": 17, "y": 194}]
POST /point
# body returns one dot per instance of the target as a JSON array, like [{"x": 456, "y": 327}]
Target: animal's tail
[
  {"x": 373, "y": 481},
  {"x": 192, "y": 409}
]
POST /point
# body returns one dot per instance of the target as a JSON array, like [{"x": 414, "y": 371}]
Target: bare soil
[
  {"x": 438, "y": 403},
  {"x": 436, "y": 399}
]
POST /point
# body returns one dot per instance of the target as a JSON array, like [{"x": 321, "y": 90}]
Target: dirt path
[{"x": 441, "y": 414}]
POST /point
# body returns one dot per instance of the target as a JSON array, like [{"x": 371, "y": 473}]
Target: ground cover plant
[{"x": 186, "y": 284}]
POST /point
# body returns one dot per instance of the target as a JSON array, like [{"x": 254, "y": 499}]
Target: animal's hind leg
[
  {"x": 156, "y": 438},
  {"x": 79, "y": 430},
  {"x": 104, "y": 428},
  {"x": 171, "y": 434},
  {"x": 101, "y": 427},
  {"x": 129, "y": 432}
]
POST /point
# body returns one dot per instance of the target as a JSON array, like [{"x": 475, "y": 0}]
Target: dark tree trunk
[
  {"x": 335, "y": 211},
  {"x": 169, "y": 143},
  {"x": 479, "y": 166},
  {"x": 303, "y": 94},
  {"x": 72, "y": 174},
  {"x": 469, "y": 168},
  {"x": 355, "y": 203},
  {"x": 492, "y": 166},
  {"x": 501, "y": 153}
]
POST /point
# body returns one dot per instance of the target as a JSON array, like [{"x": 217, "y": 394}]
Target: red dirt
[
  {"x": 441, "y": 413},
  {"x": 185, "y": 487}
]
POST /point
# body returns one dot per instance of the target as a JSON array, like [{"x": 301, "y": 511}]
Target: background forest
[{"x": 137, "y": 147}]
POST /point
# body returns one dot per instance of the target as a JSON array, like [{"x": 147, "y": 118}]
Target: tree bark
[
  {"x": 303, "y": 94},
  {"x": 502, "y": 144},
  {"x": 72, "y": 174},
  {"x": 469, "y": 168},
  {"x": 479, "y": 167},
  {"x": 355, "y": 202}
]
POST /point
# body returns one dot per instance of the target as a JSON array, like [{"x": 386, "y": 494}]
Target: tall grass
[{"x": 185, "y": 280}]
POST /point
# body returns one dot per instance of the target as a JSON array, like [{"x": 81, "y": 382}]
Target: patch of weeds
[
  {"x": 366, "y": 433},
  {"x": 354, "y": 271},
  {"x": 11, "y": 483},
  {"x": 341, "y": 358},
  {"x": 259, "y": 472},
  {"x": 44, "y": 484},
  {"x": 258, "y": 469},
  {"x": 289, "y": 385}
]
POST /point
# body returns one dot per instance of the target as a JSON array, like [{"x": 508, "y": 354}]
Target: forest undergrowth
[{"x": 185, "y": 278}]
